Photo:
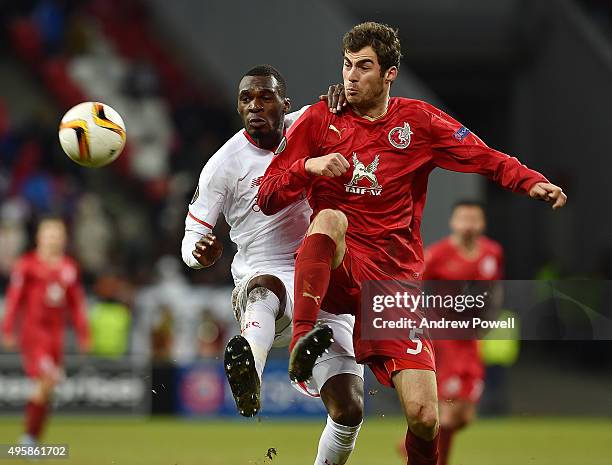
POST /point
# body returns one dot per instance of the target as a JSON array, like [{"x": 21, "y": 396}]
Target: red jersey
[
  {"x": 460, "y": 369},
  {"x": 43, "y": 295},
  {"x": 445, "y": 262},
  {"x": 383, "y": 192}
]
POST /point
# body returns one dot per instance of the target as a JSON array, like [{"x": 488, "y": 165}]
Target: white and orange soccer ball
[{"x": 92, "y": 134}]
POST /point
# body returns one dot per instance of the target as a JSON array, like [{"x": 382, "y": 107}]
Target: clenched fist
[
  {"x": 331, "y": 165},
  {"x": 208, "y": 250},
  {"x": 548, "y": 193}
]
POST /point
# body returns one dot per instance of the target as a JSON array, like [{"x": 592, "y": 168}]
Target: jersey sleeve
[
  {"x": 204, "y": 209},
  {"x": 14, "y": 296},
  {"x": 286, "y": 178},
  {"x": 455, "y": 148},
  {"x": 78, "y": 310}
]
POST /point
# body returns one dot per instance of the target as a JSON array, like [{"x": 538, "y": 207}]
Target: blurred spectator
[
  {"x": 109, "y": 319},
  {"x": 4, "y": 120},
  {"x": 50, "y": 19},
  {"x": 172, "y": 311},
  {"x": 93, "y": 234},
  {"x": 76, "y": 51},
  {"x": 211, "y": 335},
  {"x": 13, "y": 233}
]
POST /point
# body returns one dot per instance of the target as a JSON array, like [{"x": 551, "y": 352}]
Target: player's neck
[
  {"x": 270, "y": 142},
  {"x": 49, "y": 257},
  {"x": 468, "y": 246},
  {"x": 376, "y": 111}
]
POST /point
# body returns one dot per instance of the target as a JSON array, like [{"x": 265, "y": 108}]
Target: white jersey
[{"x": 228, "y": 184}]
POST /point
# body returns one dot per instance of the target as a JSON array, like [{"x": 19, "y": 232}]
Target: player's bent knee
[
  {"x": 423, "y": 420},
  {"x": 349, "y": 413},
  {"x": 259, "y": 287},
  {"x": 331, "y": 222}
]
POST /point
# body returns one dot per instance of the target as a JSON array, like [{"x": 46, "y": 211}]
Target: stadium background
[{"x": 530, "y": 78}]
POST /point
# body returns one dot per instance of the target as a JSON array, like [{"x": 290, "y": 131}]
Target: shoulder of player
[
  {"x": 70, "y": 263},
  {"x": 28, "y": 259},
  {"x": 318, "y": 112},
  {"x": 436, "y": 248},
  {"x": 225, "y": 156},
  {"x": 24, "y": 262},
  {"x": 492, "y": 246},
  {"x": 414, "y": 106},
  {"x": 292, "y": 117}
]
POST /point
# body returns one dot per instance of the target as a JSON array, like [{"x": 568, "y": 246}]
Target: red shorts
[
  {"x": 41, "y": 360},
  {"x": 460, "y": 370},
  {"x": 384, "y": 357},
  {"x": 459, "y": 387},
  {"x": 385, "y": 367}
]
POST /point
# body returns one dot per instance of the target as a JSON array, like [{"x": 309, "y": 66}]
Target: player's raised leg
[
  {"x": 342, "y": 396},
  {"x": 322, "y": 251},
  {"x": 418, "y": 396},
  {"x": 246, "y": 354}
]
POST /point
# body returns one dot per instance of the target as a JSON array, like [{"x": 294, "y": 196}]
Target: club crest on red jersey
[
  {"x": 361, "y": 171},
  {"x": 400, "y": 136}
]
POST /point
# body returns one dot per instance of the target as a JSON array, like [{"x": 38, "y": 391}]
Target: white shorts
[{"x": 340, "y": 358}]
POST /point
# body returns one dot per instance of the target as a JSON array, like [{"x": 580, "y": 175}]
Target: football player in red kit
[
  {"x": 43, "y": 289},
  {"x": 364, "y": 172},
  {"x": 464, "y": 255}
]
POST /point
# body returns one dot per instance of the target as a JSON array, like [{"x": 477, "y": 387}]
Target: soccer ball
[{"x": 92, "y": 134}]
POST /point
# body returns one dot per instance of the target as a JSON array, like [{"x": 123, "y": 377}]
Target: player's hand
[
  {"x": 208, "y": 250},
  {"x": 9, "y": 342},
  {"x": 548, "y": 193},
  {"x": 331, "y": 165},
  {"x": 336, "y": 98}
]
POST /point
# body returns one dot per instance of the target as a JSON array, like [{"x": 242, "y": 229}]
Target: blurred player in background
[
  {"x": 44, "y": 291},
  {"x": 466, "y": 254},
  {"x": 365, "y": 173},
  {"x": 263, "y": 266}
]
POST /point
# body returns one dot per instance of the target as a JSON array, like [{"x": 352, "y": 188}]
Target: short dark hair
[
  {"x": 267, "y": 70},
  {"x": 468, "y": 203},
  {"x": 381, "y": 37},
  {"x": 50, "y": 217}
]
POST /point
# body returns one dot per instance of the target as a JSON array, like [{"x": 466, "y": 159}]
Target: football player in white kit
[{"x": 263, "y": 266}]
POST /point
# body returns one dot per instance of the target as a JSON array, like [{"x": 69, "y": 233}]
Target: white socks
[
  {"x": 336, "y": 444},
  {"x": 258, "y": 324}
]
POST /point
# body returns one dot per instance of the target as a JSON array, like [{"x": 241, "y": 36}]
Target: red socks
[
  {"x": 312, "y": 272},
  {"x": 420, "y": 451},
  {"x": 36, "y": 414},
  {"x": 446, "y": 438}
]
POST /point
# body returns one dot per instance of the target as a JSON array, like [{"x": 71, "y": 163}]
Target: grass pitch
[{"x": 171, "y": 441}]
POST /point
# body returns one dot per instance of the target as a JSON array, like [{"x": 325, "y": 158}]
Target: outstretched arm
[
  {"x": 77, "y": 305},
  {"x": 455, "y": 148}
]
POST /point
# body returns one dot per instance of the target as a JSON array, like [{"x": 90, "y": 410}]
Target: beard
[{"x": 365, "y": 100}]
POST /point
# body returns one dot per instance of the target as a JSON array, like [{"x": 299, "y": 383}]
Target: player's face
[
  {"x": 260, "y": 106},
  {"x": 364, "y": 84},
  {"x": 51, "y": 237},
  {"x": 468, "y": 222}
]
